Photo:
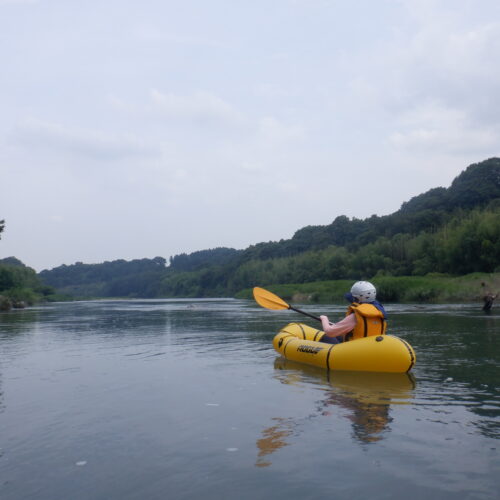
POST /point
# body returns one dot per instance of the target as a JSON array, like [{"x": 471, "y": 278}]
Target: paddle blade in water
[{"x": 268, "y": 300}]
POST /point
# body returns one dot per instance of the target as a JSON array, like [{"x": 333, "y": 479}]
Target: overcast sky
[{"x": 132, "y": 129}]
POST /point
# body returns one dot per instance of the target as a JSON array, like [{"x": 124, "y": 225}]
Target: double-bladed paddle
[{"x": 270, "y": 301}]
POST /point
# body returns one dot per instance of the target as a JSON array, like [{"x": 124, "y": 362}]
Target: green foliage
[
  {"x": 475, "y": 187},
  {"x": 202, "y": 258},
  {"x": 469, "y": 242},
  {"x": 23, "y": 294},
  {"x": 12, "y": 261},
  {"x": 20, "y": 284},
  {"x": 119, "y": 278},
  {"x": 5, "y": 303}
]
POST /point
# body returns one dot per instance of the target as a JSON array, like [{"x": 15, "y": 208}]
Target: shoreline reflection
[{"x": 366, "y": 396}]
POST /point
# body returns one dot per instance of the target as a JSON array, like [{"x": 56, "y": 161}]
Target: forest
[{"x": 444, "y": 232}]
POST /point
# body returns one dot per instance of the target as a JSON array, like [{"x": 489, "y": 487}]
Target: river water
[{"x": 185, "y": 399}]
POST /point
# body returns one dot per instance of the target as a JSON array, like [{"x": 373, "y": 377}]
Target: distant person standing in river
[
  {"x": 364, "y": 317},
  {"x": 488, "y": 301}
]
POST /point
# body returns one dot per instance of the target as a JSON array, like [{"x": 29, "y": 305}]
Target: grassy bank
[{"x": 405, "y": 289}]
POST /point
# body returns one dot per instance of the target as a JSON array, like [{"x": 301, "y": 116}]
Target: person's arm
[{"x": 341, "y": 328}]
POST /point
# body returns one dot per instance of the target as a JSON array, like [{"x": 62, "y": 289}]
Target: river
[{"x": 185, "y": 399}]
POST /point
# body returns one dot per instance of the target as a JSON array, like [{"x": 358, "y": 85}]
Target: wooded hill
[
  {"x": 19, "y": 285},
  {"x": 454, "y": 230}
]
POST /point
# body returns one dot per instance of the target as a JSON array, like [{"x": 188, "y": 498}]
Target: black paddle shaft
[{"x": 304, "y": 313}]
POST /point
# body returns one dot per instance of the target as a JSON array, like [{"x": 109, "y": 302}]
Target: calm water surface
[{"x": 184, "y": 399}]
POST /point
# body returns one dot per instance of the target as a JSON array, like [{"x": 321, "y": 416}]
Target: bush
[{"x": 5, "y": 303}]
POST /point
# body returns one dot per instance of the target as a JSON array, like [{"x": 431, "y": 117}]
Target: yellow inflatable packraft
[{"x": 382, "y": 353}]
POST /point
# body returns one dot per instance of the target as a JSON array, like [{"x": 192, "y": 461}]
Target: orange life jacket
[{"x": 369, "y": 321}]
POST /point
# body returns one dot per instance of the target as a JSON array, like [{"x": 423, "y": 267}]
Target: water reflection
[
  {"x": 368, "y": 397},
  {"x": 273, "y": 438},
  {"x": 2, "y": 405},
  {"x": 365, "y": 399},
  {"x": 17, "y": 322}
]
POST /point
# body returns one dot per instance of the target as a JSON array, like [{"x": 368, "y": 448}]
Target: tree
[{"x": 476, "y": 185}]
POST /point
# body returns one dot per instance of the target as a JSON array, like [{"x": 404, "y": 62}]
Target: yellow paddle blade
[{"x": 268, "y": 300}]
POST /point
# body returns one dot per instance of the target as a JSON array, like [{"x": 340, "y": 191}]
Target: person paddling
[{"x": 364, "y": 317}]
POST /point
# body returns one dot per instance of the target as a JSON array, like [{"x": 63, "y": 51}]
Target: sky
[{"x": 136, "y": 129}]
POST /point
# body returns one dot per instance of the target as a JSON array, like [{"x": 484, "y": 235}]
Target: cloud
[
  {"x": 55, "y": 137},
  {"x": 201, "y": 107},
  {"x": 274, "y": 91},
  {"x": 243, "y": 107},
  {"x": 18, "y": 2},
  {"x": 271, "y": 129},
  {"x": 434, "y": 127},
  {"x": 438, "y": 88},
  {"x": 155, "y": 34}
]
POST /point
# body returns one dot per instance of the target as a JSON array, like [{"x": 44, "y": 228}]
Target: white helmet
[{"x": 363, "y": 291}]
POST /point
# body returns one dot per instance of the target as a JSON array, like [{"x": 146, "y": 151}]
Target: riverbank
[{"x": 431, "y": 289}]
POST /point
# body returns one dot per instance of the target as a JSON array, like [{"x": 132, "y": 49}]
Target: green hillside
[
  {"x": 440, "y": 234},
  {"x": 451, "y": 231}
]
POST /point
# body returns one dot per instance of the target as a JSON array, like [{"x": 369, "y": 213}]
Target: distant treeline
[
  {"x": 468, "y": 242},
  {"x": 453, "y": 230},
  {"x": 119, "y": 278}
]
